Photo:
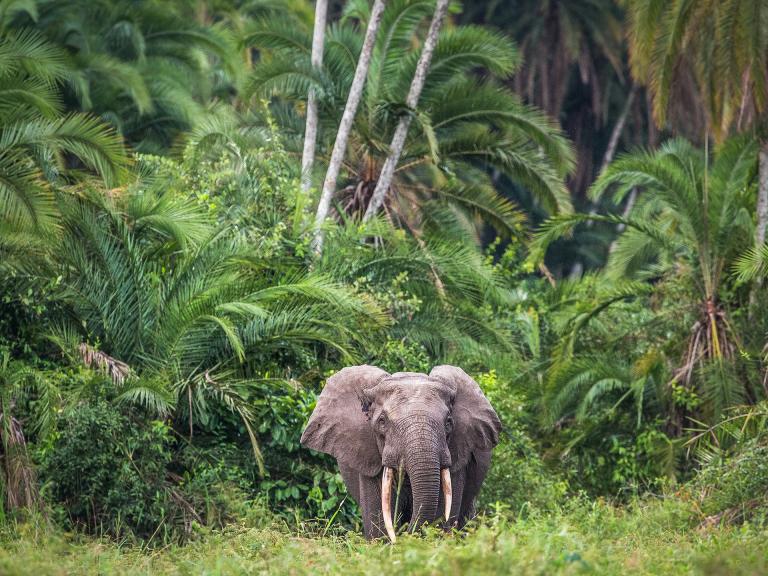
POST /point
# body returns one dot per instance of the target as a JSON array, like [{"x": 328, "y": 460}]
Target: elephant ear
[
  {"x": 339, "y": 424},
  {"x": 476, "y": 426}
]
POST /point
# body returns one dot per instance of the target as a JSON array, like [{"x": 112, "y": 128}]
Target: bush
[
  {"x": 619, "y": 460},
  {"x": 107, "y": 473},
  {"x": 298, "y": 483},
  {"x": 518, "y": 477},
  {"x": 214, "y": 487},
  {"x": 735, "y": 488},
  {"x": 114, "y": 472}
]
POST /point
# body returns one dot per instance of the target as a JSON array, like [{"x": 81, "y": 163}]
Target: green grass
[{"x": 589, "y": 538}]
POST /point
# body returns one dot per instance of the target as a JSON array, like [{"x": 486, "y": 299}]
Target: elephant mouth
[{"x": 387, "y": 479}]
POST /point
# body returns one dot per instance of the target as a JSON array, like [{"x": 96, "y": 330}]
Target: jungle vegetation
[{"x": 577, "y": 217}]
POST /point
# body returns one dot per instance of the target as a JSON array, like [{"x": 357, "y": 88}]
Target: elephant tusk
[
  {"x": 386, "y": 501},
  {"x": 445, "y": 477}
]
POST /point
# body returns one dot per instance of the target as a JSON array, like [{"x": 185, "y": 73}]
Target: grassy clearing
[{"x": 646, "y": 538}]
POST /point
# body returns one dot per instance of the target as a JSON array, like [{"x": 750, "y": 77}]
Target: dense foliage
[{"x": 165, "y": 326}]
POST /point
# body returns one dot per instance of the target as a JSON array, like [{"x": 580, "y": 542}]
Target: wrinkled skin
[{"x": 418, "y": 425}]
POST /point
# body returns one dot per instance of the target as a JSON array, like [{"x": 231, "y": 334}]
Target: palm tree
[
  {"x": 558, "y": 38},
  {"x": 147, "y": 68},
  {"x": 411, "y": 101},
  {"x": 713, "y": 55},
  {"x": 441, "y": 295},
  {"x": 692, "y": 220},
  {"x": 310, "y": 132},
  {"x": 347, "y": 119},
  {"x": 184, "y": 315},
  {"x": 463, "y": 124},
  {"x": 38, "y": 145},
  {"x": 572, "y": 67},
  {"x": 589, "y": 385}
]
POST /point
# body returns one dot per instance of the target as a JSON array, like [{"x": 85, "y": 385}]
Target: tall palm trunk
[
  {"x": 412, "y": 100},
  {"x": 345, "y": 126},
  {"x": 613, "y": 142},
  {"x": 310, "y": 131},
  {"x": 762, "y": 217},
  {"x": 762, "y": 195},
  {"x": 618, "y": 129}
]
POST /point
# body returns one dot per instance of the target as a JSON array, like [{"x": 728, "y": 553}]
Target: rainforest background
[{"x": 577, "y": 218}]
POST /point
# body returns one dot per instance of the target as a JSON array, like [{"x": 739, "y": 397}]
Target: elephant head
[{"x": 423, "y": 425}]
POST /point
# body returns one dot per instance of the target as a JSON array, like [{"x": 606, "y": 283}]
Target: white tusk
[
  {"x": 445, "y": 477},
  {"x": 386, "y": 500}
]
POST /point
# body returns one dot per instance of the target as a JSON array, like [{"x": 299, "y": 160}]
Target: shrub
[
  {"x": 735, "y": 488},
  {"x": 620, "y": 460},
  {"x": 299, "y": 484},
  {"x": 403, "y": 356},
  {"x": 518, "y": 477},
  {"x": 107, "y": 473}
]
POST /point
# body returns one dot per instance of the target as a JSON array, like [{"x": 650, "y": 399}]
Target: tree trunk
[
  {"x": 618, "y": 128},
  {"x": 578, "y": 267},
  {"x": 762, "y": 195},
  {"x": 310, "y": 132},
  {"x": 762, "y": 217},
  {"x": 412, "y": 100},
  {"x": 345, "y": 126},
  {"x": 625, "y": 214}
]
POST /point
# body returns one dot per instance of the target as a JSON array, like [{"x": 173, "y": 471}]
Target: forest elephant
[{"x": 422, "y": 442}]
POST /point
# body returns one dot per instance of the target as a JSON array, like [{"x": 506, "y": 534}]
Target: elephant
[{"x": 431, "y": 436}]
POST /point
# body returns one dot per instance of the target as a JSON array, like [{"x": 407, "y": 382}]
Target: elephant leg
[
  {"x": 476, "y": 469},
  {"x": 370, "y": 506}
]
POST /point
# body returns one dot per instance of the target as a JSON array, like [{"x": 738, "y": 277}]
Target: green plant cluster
[
  {"x": 121, "y": 482},
  {"x": 166, "y": 327}
]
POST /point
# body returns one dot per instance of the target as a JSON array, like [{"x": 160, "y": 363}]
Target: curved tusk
[
  {"x": 386, "y": 501},
  {"x": 445, "y": 477}
]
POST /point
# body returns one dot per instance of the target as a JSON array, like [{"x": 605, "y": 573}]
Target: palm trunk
[
  {"x": 618, "y": 128},
  {"x": 762, "y": 217},
  {"x": 310, "y": 132},
  {"x": 412, "y": 100},
  {"x": 578, "y": 267},
  {"x": 762, "y": 195},
  {"x": 345, "y": 126},
  {"x": 625, "y": 214}
]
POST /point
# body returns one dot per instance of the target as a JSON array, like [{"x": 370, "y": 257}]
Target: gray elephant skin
[{"x": 411, "y": 439}]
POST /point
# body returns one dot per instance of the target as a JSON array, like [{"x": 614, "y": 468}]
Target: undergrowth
[{"x": 659, "y": 536}]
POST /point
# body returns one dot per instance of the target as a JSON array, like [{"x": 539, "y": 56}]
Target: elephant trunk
[
  {"x": 425, "y": 487},
  {"x": 422, "y": 464}
]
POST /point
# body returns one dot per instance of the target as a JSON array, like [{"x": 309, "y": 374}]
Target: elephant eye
[{"x": 448, "y": 425}]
